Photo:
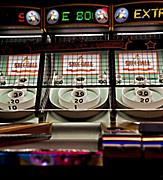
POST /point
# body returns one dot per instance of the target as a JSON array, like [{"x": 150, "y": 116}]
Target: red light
[{"x": 21, "y": 17}]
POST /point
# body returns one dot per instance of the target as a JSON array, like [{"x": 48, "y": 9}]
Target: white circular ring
[
  {"x": 79, "y": 93},
  {"x": 16, "y": 94},
  {"x": 133, "y": 104},
  {"x": 66, "y": 103},
  {"x": 143, "y": 95}
]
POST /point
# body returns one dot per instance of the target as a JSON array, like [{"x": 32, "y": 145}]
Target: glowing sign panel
[
  {"x": 19, "y": 17},
  {"x": 23, "y": 65},
  {"x": 137, "y": 62},
  {"x": 76, "y": 14},
  {"x": 81, "y": 63},
  {"x": 137, "y": 13}
]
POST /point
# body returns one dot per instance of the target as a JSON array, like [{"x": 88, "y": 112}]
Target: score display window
[
  {"x": 138, "y": 14},
  {"x": 20, "y": 17},
  {"x": 77, "y": 14}
]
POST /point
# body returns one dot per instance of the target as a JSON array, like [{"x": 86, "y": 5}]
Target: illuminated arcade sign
[
  {"x": 23, "y": 65},
  {"x": 19, "y": 17},
  {"x": 84, "y": 63},
  {"x": 137, "y": 62},
  {"x": 138, "y": 14},
  {"x": 77, "y": 14}
]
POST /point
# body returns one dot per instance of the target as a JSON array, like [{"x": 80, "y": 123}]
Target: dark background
[{"x": 43, "y": 3}]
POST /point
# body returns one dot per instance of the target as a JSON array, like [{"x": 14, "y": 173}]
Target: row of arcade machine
[{"x": 96, "y": 72}]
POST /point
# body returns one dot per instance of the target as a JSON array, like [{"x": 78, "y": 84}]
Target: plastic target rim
[
  {"x": 137, "y": 105},
  {"x": 85, "y": 105},
  {"x": 81, "y": 90},
  {"x": 22, "y": 105},
  {"x": 143, "y": 96}
]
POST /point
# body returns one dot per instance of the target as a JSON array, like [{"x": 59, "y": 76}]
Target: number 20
[
  {"x": 146, "y": 100},
  {"x": 78, "y": 100}
]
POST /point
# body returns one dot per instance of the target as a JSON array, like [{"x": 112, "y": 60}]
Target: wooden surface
[{"x": 33, "y": 128}]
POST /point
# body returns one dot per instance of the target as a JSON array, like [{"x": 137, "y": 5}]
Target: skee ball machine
[
  {"x": 21, "y": 28},
  {"x": 79, "y": 91},
  {"x": 96, "y": 72},
  {"x": 138, "y": 97},
  {"x": 64, "y": 65}
]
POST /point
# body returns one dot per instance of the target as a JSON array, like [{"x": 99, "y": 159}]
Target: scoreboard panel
[
  {"x": 129, "y": 15},
  {"x": 77, "y": 16},
  {"x": 20, "y": 18}
]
